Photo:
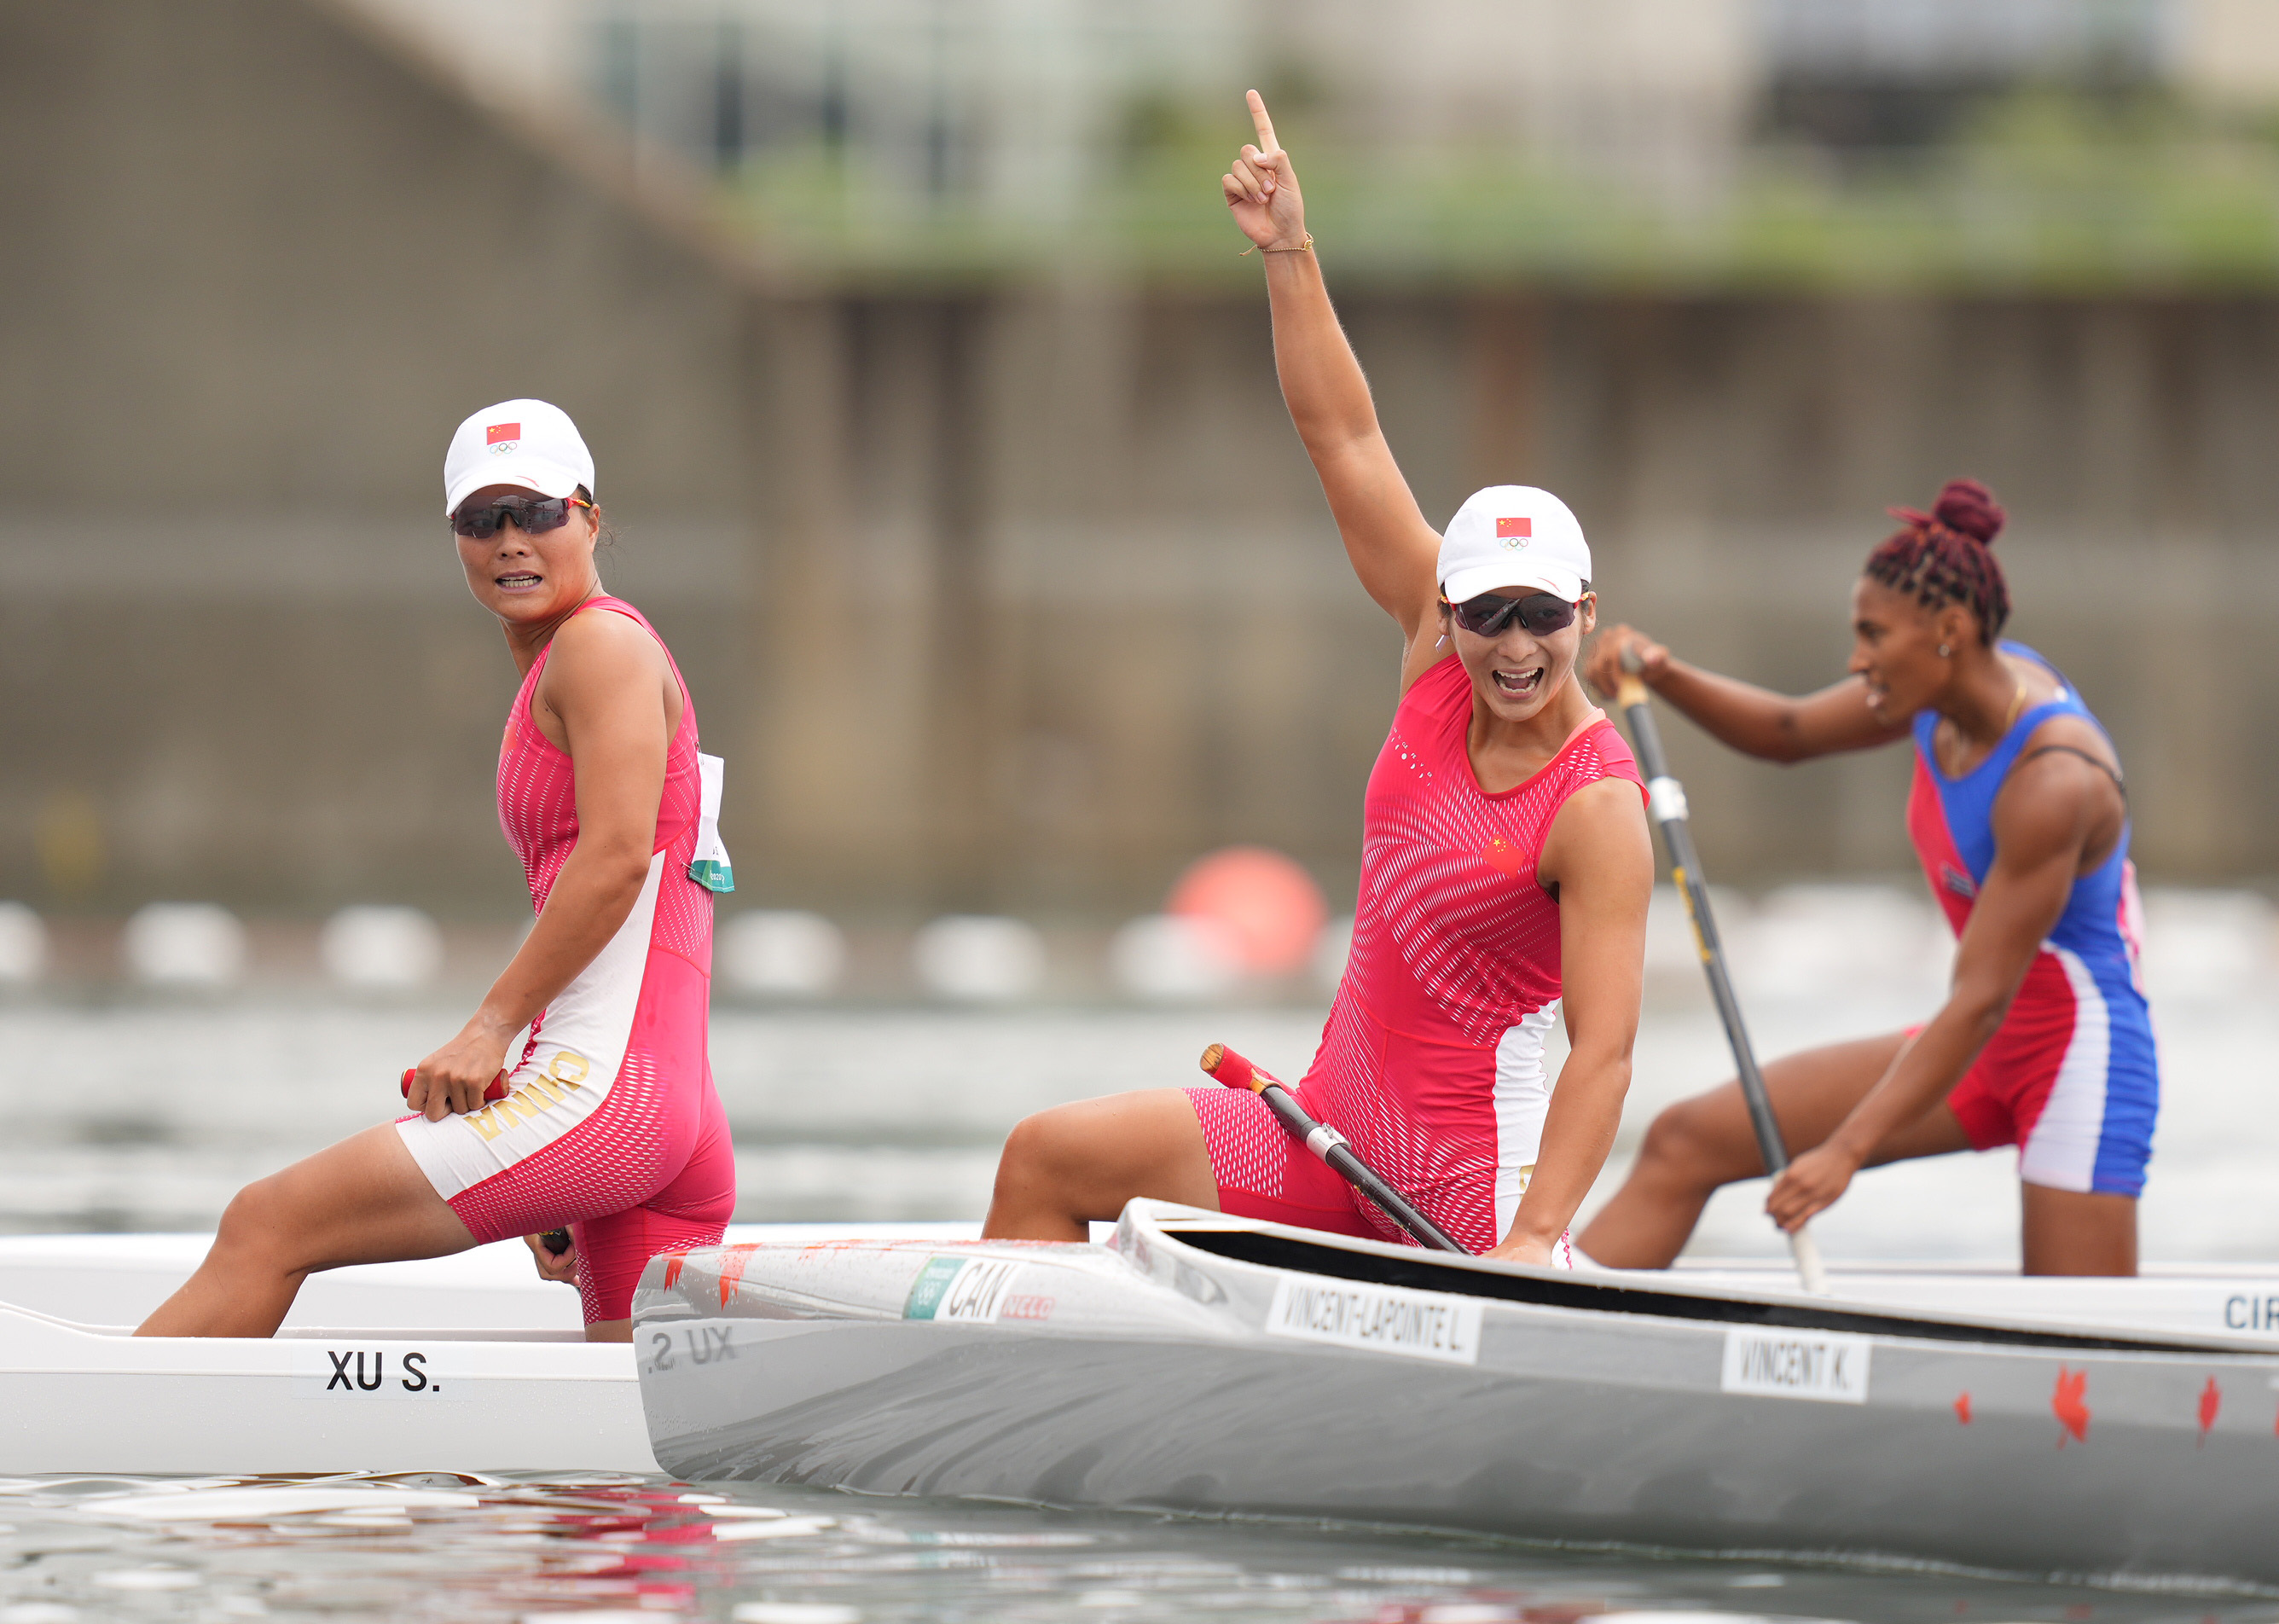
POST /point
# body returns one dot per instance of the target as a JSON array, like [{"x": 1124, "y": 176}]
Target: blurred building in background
[
  {"x": 841, "y": 125},
  {"x": 938, "y": 419},
  {"x": 1023, "y": 115}
]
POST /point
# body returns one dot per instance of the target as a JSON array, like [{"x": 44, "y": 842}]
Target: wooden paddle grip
[
  {"x": 1224, "y": 1065},
  {"x": 1630, "y": 691}
]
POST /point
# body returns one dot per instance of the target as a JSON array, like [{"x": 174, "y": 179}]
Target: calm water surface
[
  {"x": 447, "y": 1547},
  {"x": 147, "y": 1113}
]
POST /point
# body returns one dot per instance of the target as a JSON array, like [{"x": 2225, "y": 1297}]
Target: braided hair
[{"x": 1945, "y": 556}]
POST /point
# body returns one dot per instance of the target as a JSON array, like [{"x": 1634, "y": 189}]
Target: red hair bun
[
  {"x": 1969, "y": 507},
  {"x": 1945, "y": 556}
]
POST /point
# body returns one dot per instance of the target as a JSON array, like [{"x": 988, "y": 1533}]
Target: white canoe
[
  {"x": 1204, "y": 1363},
  {"x": 470, "y": 1363}
]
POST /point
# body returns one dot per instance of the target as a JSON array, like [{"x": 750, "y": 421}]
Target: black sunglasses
[
  {"x": 1541, "y": 613},
  {"x": 534, "y": 516}
]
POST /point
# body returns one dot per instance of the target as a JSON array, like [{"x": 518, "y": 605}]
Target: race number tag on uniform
[
  {"x": 1822, "y": 1365},
  {"x": 711, "y": 867}
]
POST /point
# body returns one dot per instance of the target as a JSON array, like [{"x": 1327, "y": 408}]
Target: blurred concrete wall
[
  {"x": 999, "y": 596},
  {"x": 254, "y": 270}
]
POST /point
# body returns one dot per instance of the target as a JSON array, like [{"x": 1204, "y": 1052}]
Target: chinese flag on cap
[
  {"x": 1506, "y": 528},
  {"x": 500, "y": 432}
]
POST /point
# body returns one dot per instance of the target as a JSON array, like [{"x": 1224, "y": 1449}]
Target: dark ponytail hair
[
  {"x": 1947, "y": 555},
  {"x": 605, "y": 534}
]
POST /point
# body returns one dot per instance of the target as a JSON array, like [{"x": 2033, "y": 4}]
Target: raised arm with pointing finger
[
  {"x": 1506, "y": 861},
  {"x": 1392, "y": 548},
  {"x": 1504, "y": 848}
]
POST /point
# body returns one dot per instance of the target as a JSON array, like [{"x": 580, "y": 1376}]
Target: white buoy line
[{"x": 1795, "y": 943}]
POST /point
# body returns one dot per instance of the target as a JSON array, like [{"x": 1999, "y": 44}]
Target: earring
[
  {"x": 1945, "y": 653},
  {"x": 1444, "y": 638}
]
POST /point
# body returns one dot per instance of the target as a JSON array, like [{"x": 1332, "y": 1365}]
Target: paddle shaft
[
  {"x": 1667, "y": 800},
  {"x": 1224, "y": 1065}
]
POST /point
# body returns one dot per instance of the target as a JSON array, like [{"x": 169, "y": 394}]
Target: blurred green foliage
[{"x": 2044, "y": 189}]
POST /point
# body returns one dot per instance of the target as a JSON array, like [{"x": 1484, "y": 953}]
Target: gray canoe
[{"x": 1199, "y": 1363}]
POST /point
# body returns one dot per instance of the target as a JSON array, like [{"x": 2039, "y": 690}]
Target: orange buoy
[{"x": 1267, "y": 906}]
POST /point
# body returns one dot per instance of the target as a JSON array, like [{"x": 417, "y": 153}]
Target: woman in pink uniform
[
  {"x": 1505, "y": 871},
  {"x": 591, "y": 1046},
  {"x": 2021, "y": 825}
]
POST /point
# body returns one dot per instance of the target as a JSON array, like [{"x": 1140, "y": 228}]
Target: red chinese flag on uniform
[
  {"x": 499, "y": 433},
  {"x": 1511, "y": 529}
]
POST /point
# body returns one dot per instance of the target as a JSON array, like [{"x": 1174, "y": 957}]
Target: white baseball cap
[
  {"x": 1511, "y": 536},
  {"x": 527, "y": 443}
]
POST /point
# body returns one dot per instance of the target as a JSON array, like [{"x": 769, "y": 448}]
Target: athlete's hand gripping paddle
[
  {"x": 555, "y": 1241},
  {"x": 1666, "y": 799},
  {"x": 492, "y": 1095},
  {"x": 1225, "y": 1066}
]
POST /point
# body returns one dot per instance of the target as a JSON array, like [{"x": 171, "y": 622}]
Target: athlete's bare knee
[
  {"x": 1022, "y": 1148},
  {"x": 1683, "y": 1147},
  {"x": 1036, "y": 1151},
  {"x": 1036, "y": 1196},
  {"x": 258, "y": 1227},
  {"x": 1672, "y": 1145}
]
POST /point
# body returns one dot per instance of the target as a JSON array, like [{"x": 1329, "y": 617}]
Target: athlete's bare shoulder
[
  {"x": 595, "y": 624},
  {"x": 2074, "y": 735},
  {"x": 1609, "y": 801},
  {"x": 599, "y": 658},
  {"x": 2063, "y": 794},
  {"x": 1599, "y": 831},
  {"x": 599, "y": 643}
]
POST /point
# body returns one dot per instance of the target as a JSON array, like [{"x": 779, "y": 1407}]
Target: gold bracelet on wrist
[{"x": 1307, "y": 246}]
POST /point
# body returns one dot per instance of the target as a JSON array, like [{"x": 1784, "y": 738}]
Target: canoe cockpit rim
[{"x": 1279, "y": 1247}]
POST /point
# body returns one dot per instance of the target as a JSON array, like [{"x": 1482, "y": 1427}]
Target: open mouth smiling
[
  {"x": 1519, "y": 684},
  {"x": 516, "y": 580}
]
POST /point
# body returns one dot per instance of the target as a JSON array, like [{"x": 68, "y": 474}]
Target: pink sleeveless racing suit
[
  {"x": 1431, "y": 1063},
  {"x": 612, "y": 1125}
]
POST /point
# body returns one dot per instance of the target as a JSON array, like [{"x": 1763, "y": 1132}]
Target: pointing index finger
[{"x": 1265, "y": 125}]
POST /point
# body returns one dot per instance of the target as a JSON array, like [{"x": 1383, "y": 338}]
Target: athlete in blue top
[
  {"x": 2072, "y": 1078},
  {"x": 2019, "y": 816}
]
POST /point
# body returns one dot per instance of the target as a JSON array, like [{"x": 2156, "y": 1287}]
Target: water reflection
[{"x": 597, "y": 1549}]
